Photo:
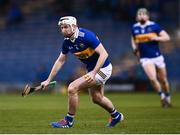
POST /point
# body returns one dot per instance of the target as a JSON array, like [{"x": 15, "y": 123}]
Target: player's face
[
  {"x": 66, "y": 30},
  {"x": 142, "y": 17}
]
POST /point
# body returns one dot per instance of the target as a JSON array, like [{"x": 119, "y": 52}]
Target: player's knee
[
  {"x": 164, "y": 80},
  {"x": 72, "y": 89},
  {"x": 154, "y": 81}
]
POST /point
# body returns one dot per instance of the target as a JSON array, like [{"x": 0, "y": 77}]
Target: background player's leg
[
  {"x": 150, "y": 70},
  {"x": 162, "y": 74}
]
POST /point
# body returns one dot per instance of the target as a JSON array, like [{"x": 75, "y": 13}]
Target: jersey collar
[{"x": 144, "y": 25}]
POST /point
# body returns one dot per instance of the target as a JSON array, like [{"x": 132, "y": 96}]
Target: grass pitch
[{"x": 142, "y": 112}]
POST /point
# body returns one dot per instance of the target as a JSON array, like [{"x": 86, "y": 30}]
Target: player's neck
[{"x": 142, "y": 22}]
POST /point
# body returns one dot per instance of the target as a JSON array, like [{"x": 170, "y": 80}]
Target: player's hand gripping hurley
[{"x": 28, "y": 89}]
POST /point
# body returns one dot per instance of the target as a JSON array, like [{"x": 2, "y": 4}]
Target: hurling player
[
  {"x": 146, "y": 36},
  {"x": 85, "y": 45}
]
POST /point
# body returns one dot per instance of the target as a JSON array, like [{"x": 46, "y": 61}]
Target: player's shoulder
[
  {"x": 152, "y": 23},
  {"x": 66, "y": 41},
  {"x": 138, "y": 24},
  {"x": 85, "y": 32}
]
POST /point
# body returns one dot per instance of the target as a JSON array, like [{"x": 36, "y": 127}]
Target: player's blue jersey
[
  {"x": 142, "y": 35},
  {"x": 83, "y": 47}
]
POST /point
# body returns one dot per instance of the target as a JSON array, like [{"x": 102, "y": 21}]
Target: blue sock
[
  {"x": 167, "y": 94},
  {"x": 159, "y": 93},
  {"x": 69, "y": 117},
  {"x": 114, "y": 113}
]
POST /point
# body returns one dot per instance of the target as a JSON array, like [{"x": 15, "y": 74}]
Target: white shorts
[
  {"x": 103, "y": 75},
  {"x": 157, "y": 61}
]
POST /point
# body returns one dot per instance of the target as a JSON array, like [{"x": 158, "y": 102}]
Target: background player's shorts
[
  {"x": 158, "y": 61},
  {"x": 103, "y": 75}
]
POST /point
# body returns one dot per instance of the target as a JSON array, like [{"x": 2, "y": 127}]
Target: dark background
[{"x": 30, "y": 41}]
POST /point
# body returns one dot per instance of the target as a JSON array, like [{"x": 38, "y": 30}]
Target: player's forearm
[
  {"x": 57, "y": 66},
  {"x": 102, "y": 57},
  {"x": 133, "y": 44},
  {"x": 134, "y": 47},
  {"x": 163, "y": 38}
]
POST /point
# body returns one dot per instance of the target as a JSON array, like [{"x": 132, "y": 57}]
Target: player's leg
[
  {"x": 97, "y": 90},
  {"x": 73, "y": 90},
  {"x": 162, "y": 74},
  {"x": 97, "y": 95},
  {"x": 150, "y": 71}
]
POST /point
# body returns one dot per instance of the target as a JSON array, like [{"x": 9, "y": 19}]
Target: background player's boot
[
  {"x": 168, "y": 100},
  {"x": 114, "y": 121},
  {"x": 168, "y": 104},
  {"x": 163, "y": 103}
]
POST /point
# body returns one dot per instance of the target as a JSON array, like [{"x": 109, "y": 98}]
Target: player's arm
[
  {"x": 94, "y": 42},
  {"x": 134, "y": 47},
  {"x": 56, "y": 67},
  {"x": 162, "y": 37},
  {"x": 102, "y": 57}
]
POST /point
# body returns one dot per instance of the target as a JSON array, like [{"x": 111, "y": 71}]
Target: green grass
[{"x": 142, "y": 112}]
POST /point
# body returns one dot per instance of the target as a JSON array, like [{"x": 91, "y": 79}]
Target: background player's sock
[
  {"x": 161, "y": 94},
  {"x": 168, "y": 97}
]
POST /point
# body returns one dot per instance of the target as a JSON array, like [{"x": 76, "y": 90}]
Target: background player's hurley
[{"x": 28, "y": 89}]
